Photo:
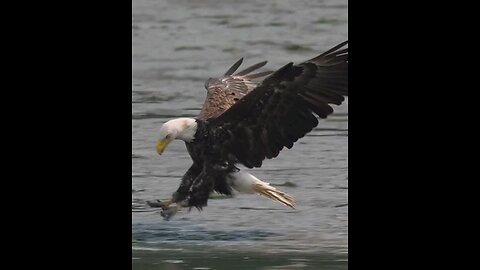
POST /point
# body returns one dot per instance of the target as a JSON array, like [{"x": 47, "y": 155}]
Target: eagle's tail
[
  {"x": 272, "y": 193},
  {"x": 246, "y": 183}
]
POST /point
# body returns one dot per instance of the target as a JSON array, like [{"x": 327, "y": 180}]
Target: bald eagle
[{"x": 243, "y": 123}]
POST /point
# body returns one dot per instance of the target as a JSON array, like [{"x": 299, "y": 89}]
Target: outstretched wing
[
  {"x": 224, "y": 92},
  {"x": 281, "y": 109}
]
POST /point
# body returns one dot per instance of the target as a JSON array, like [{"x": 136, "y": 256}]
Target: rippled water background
[{"x": 176, "y": 45}]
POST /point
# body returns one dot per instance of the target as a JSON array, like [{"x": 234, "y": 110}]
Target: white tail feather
[
  {"x": 274, "y": 194},
  {"x": 246, "y": 183}
]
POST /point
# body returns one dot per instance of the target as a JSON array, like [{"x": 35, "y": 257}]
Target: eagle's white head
[{"x": 181, "y": 128}]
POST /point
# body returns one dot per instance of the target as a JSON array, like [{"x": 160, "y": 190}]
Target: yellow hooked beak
[{"x": 161, "y": 145}]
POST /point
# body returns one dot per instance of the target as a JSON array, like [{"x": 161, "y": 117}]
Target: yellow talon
[
  {"x": 160, "y": 204},
  {"x": 167, "y": 203}
]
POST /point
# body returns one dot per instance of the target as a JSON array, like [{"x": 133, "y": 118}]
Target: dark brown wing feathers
[
  {"x": 281, "y": 109},
  {"x": 234, "y": 67},
  {"x": 252, "y": 68}
]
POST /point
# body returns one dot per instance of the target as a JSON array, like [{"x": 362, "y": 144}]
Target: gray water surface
[{"x": 176, "y": 46}]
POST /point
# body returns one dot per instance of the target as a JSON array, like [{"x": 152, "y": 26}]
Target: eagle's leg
[
  {"x": 186, "y": 184},
  {"x": 211, "y": 177},
  {"x": 197, "y": 196},
  {"x": 171, "y": 206},
  {"x": 199, "y": 184},
  {"x": 200, "y": 190},
  {"x": 182, "y": 191}
]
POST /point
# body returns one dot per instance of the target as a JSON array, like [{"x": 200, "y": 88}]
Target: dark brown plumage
[{"x": 279, "y": 111}]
